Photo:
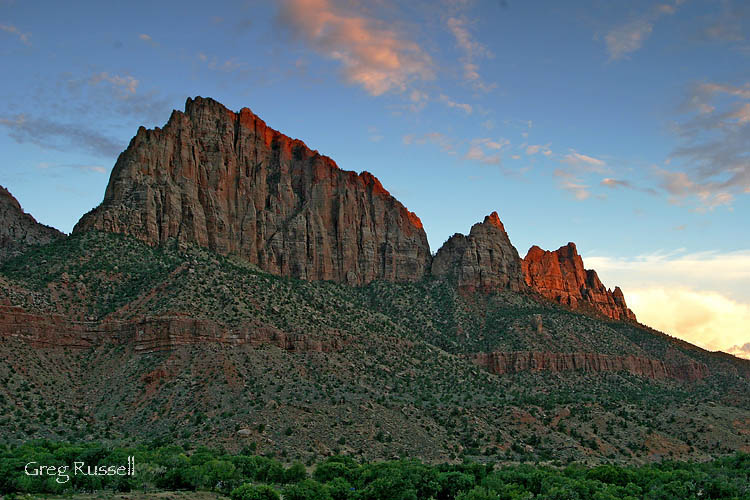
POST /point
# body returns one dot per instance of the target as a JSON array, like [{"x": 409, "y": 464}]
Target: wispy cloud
[
  {"x": 713, "y": 160},
  {"x": 230, "y": 65},
  {"x": 485, "y": 150},
  {"x": 625, "y": 184},
  {"x": 627, "y": 38},
  {"x": 472, "y": 52},
  {"x": 99, "y": 169},
  {"x": 50, "y": 134},
  {"x": 741, "y": 351},
  {"x": 466, "y": 108},
  {"x": 371, "y": 53},
  {"x": 13, "y": 30},
  {"x": 147, "y": 39},
  {"x": 125, "y": 85},
  {"x": 441, "y": 140},
  {"x": 533, "y": 149},
  {"x": 584, "y": 162},
  {"x": 61, "y": 115},
  {"x": 573, "y": 184}
]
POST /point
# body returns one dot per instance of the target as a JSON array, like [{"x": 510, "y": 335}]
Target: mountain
[
  {"x": 560, "y": 276},
  {"x": 228, "y": 182},
  {"x": 20, "y": 230},
  {"x": 235, "y": 289},
  {"x": 483, "y": 260}
]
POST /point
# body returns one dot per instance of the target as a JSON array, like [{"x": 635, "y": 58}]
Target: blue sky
[{"x": 624, "y": 127}]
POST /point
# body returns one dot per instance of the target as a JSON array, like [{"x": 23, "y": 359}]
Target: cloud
[
  {"x": 625, "y": 184},
  {"x": 615, "y": 183},
  {"x": 148, "y": 39},
  {"x": 741, "y": 351},
  {"x": 725, "y": 24},
  {"x": 569, "y": 182},
  {"x": 9, "y": 28},
  {"x": 230, "y": 65},
  {"x": 125, "y": 85},
  {"x": 627, "y": 38},
  {"x": 49, "y": 134},
  {"x": 728, "y": 272},
  {"x": 486, "y": 150},
  {"x": 372, "y": 55},
  {"x": 60, "y": 114},
  {"x": 441, "y": 140},
  {"x": 472, "y": 50},
  {"x": 584, "y": 162},
  {"x": 714, "y": 150},
  {"x": 99, "y": 169},
  {"x": 700, "y": 297},
  {"x": 466, "y": 108},
  {"x": 705, "y": 318}
]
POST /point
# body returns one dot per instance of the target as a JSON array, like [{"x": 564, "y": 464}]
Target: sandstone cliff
[
  {"x": 484, "y": 260},
  {"x": 227, "y": 181},
  {"x": 512, "y": 362},
  {"x": 560, "y": 276},
  {"x": 152, "y": 334},
  {"x": 19, "y": 230}
]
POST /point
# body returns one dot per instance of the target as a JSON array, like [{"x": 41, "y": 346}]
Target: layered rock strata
[
  {"x": 513, "y": 362},
  {"x": 228, "y": 182},
  {"x": 152, "y": 334},
  {"x": 560, "y": 276}
]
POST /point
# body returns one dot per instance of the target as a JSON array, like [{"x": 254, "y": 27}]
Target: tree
[
  {"x": 252, "y": 492},
  {"x": 308, "y": 489}
]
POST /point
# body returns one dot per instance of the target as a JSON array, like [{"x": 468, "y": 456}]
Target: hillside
[{"x": 183, "y": 344}]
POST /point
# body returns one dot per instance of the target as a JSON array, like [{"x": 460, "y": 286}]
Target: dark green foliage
[
  {"x": 308, "y": 489},
  {"x": 341, "y": 478},
  {"x": 253, "y": 492}
]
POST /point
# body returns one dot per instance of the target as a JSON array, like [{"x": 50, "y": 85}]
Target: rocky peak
[
  {"x": 560, "y": 276},
  {"x": 484, "y": 260},
  {"x": 228, "y": 182},
  {"x": 19, "y": 230},
  {"x": 494, "y": 219}
]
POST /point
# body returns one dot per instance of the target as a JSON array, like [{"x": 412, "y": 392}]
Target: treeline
[{"x": 246, "y": 476}]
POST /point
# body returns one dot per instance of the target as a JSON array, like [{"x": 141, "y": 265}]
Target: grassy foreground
[{"x": 169, "y": 471}]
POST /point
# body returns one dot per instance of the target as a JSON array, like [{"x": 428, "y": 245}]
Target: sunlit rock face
[
  {"x": 560, "y": 276},
  {"x": 228, "y": 182}
]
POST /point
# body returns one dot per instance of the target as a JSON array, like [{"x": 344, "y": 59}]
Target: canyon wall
[{"x": 228, "y": 182}]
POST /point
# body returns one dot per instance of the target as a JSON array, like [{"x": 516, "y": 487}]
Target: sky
[{"x": 621, "y": 126}]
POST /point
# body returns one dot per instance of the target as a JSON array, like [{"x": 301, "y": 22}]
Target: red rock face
[
  {"x": 151, "y": 334},
  {"x": 560, "y": 276},
  {"x": 19, "y": 230},
  {"x": 485, "y": 260},
  {"x": 512, "y": 362},
  {"x": 226, "y": 181}
]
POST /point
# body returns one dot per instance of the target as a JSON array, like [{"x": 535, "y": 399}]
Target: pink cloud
[{"x": 373, "y": 55}]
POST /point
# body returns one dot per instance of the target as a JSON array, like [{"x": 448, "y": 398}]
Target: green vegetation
[
  {"x": 252, "y": 477},
  {"x": 377, "y": 372}
]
